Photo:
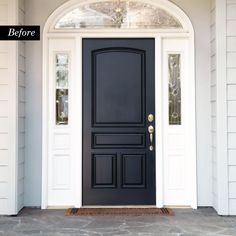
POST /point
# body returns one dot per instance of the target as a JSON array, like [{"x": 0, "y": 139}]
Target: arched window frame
[
  {"x": 162, "y": 4},
  {"x": 128, "y": 14}
]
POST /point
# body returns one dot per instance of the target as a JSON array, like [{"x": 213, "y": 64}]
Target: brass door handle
[{"x": 151, "y": 132}]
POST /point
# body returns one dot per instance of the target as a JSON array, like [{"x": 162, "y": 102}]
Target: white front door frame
[{"x": 159, "y": 35}]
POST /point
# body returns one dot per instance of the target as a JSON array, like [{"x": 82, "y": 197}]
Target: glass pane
[
  {"x": 61, "y": 106},
  {"x": 62, "y": 75},
  {"x": 174, "y": 89},
  {"x": 119, "y": 14},
  {"x": 61, "y": 70},
  {"x": 62, "y": 60}
]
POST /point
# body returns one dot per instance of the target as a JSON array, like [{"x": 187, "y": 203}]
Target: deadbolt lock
[{"x": 150, "y": 117}]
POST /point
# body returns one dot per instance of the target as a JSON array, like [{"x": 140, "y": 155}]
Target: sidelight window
[
  {"x": 62, "y": 93},
  {"x": 174, "y": 64}
]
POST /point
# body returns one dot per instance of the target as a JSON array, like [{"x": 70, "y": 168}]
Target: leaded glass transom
[{"x": 118, "y": 14}]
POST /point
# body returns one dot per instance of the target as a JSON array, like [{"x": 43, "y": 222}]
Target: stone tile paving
[{"x": 186, "y": 222}]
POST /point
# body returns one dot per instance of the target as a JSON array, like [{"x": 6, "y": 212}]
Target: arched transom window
[{"x": 118, "y": 14}]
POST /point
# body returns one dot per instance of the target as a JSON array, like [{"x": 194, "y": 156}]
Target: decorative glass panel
[
  {"x": 62, "y": 71},
  {"x": 62, "y": 106},
  {"x": 62, "y": 92},
  {"x": 174, "y": 89},
  {"x": 118, "y": 14}
]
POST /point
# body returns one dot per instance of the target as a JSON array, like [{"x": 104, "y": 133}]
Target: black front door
[{"x": 118, "y": 104}]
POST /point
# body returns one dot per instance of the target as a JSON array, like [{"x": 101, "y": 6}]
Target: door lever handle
[{"x": 151, "y": 132}]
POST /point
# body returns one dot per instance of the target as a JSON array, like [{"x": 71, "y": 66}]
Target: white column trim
[
  {"x": 159, "y": 121},
  {"x": 221, "y": 108},
  {"x": 13, "y": 114}
]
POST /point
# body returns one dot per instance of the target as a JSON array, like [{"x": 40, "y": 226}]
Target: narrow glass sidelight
[
  {"x": 62, "y": 89},
  {"x": 174, "y": 63}
]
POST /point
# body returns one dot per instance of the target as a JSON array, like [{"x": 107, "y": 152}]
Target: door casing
[
  {"x": 159, "y": 37},
  {"x": 187, "y": 33}
]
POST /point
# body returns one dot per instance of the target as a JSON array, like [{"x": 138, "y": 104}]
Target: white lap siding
[
  {"x": 223, "y": 99},
  {"x": 231, "y": 100},
  {"x": 11, "y": 168}
]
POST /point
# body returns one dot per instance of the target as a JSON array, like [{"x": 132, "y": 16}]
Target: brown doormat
[{"x": 119, "y": 211}]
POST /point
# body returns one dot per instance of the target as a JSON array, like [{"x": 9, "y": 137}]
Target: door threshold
[
  {"x": 58, "y": 207},
  {"x": 178, "y": 206},
  {"x": 120, "y": 206}
]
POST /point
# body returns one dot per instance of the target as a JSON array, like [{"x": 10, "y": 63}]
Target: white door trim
[{"x": 159, "y": 35}]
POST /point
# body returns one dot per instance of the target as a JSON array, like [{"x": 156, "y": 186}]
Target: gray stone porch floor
[{"x": 186, "y": 222}]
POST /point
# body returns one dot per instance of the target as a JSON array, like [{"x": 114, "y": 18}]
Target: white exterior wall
[
  {"x": 37, "y": 12},
  {"x": 199, "y": 13},
  {"x": 231, "y": 100},
  {"x": 223, "y": 101},
  {"x": 216, "y": 172},
  {"x": 224, "y": 156},
  {"x": 10, "y": 172}
]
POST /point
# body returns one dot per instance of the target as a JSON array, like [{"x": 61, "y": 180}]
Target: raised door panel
[
  {"x": 134, "y": 171},
  {"x": 118, "y": 87},
  {"x": 118, "y": 140},
  {"x": 104, "y": 168}
]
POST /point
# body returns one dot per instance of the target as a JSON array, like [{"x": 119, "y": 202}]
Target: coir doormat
[{"x": 119, "y": 211}]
